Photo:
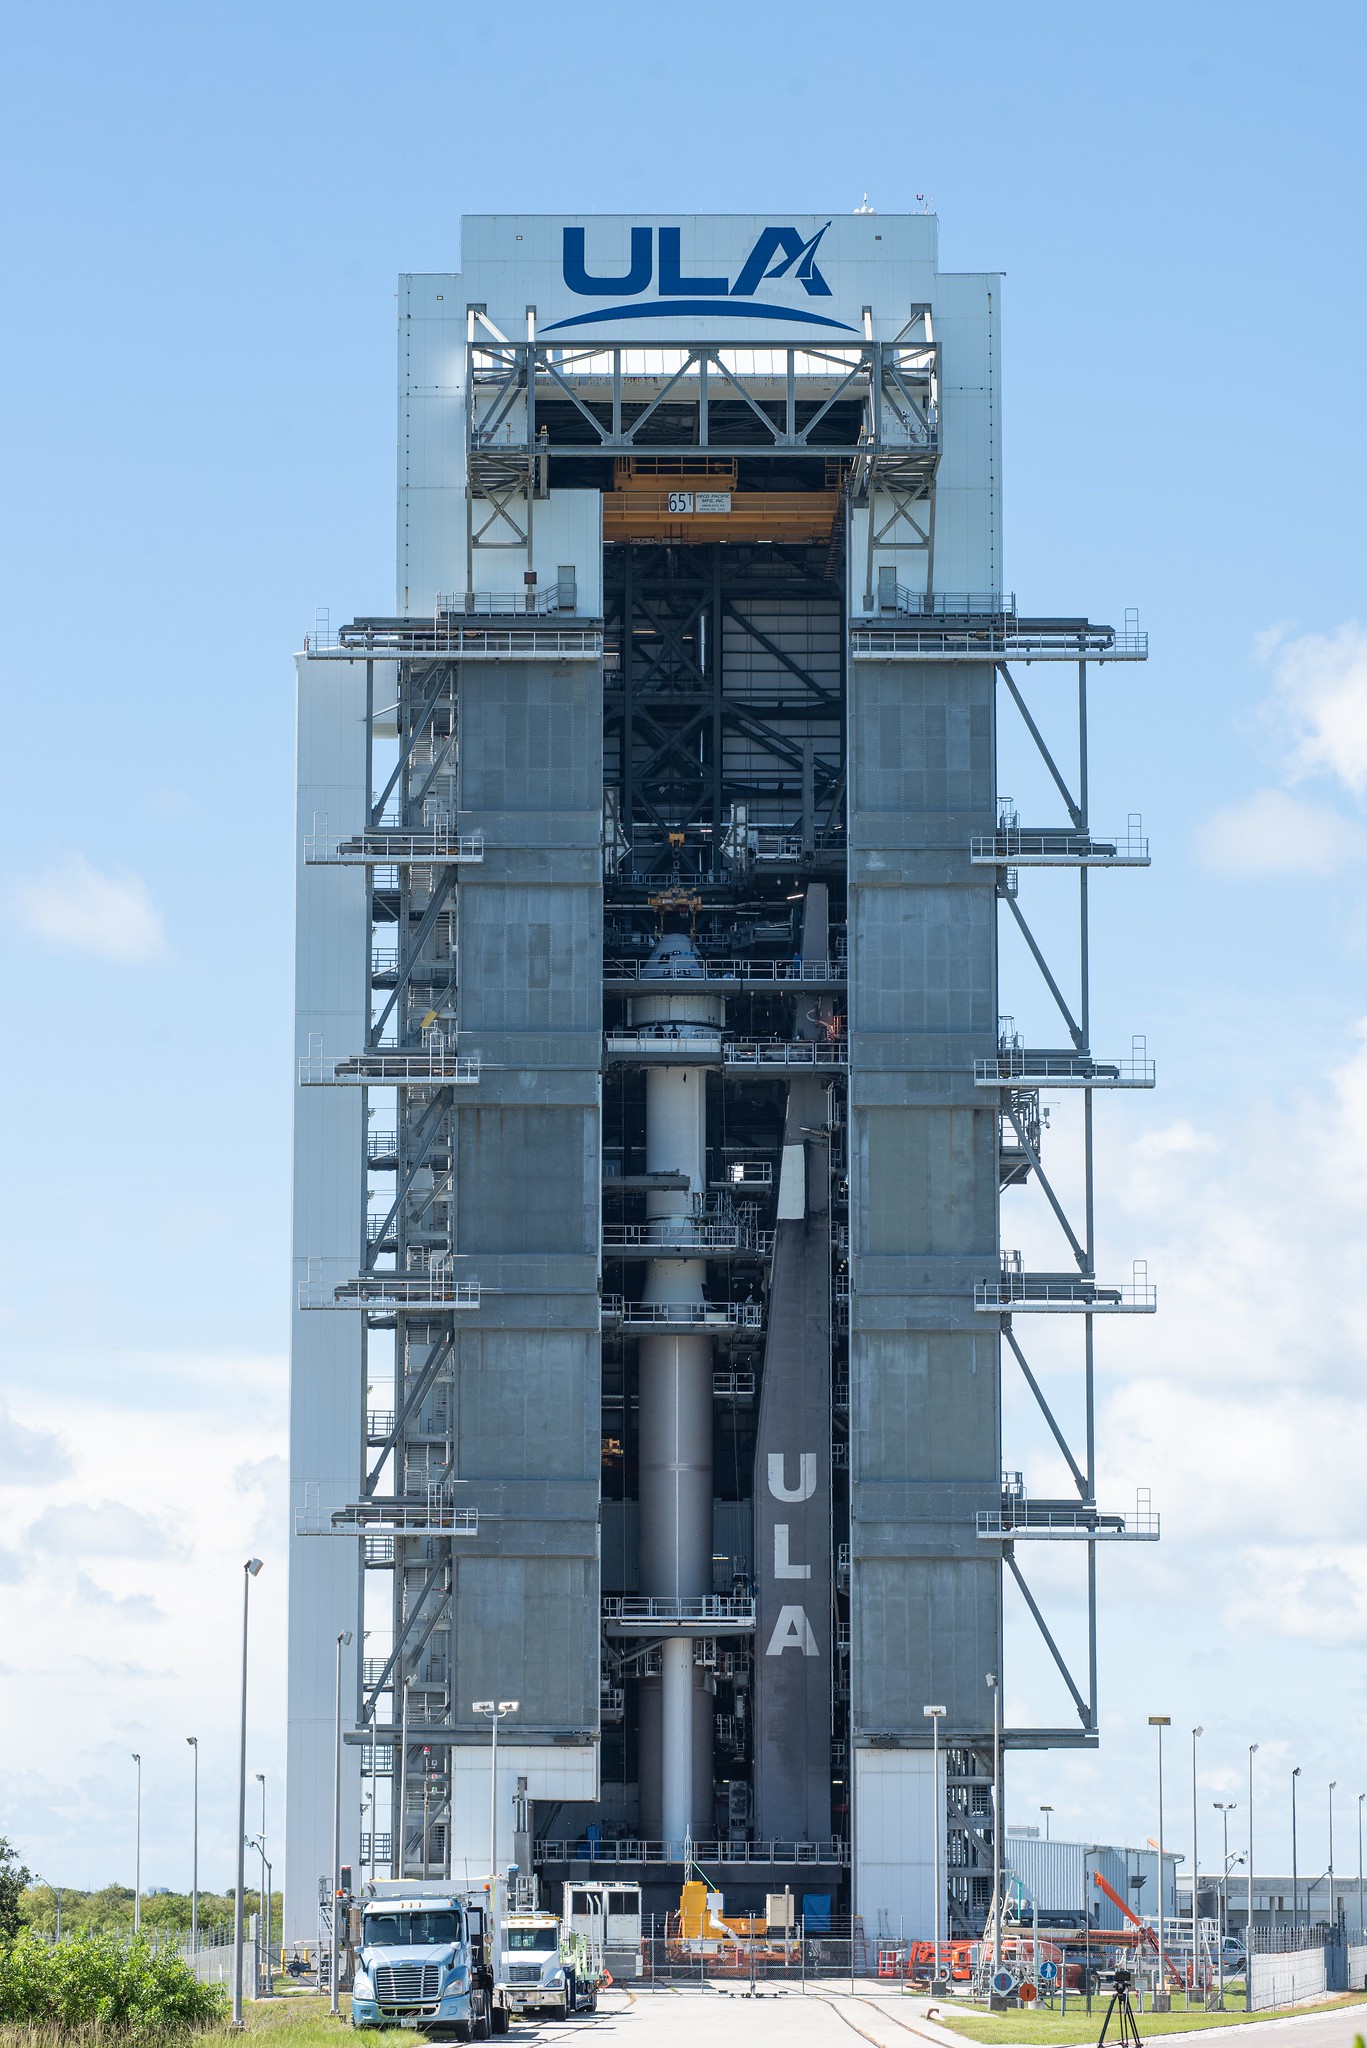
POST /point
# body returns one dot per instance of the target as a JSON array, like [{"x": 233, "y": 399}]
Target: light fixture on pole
[
  {"x": 137, "y": 1848},
  {"x": 193, "y": 1741},
  {"x": 495, "y": 1710},
  {"x": 249, "y": 1572},
  {"x": 997, "y": 1821},
  {"x": 1248, "y": 1930},
  {"x": 1224, "y": 1807},
  {"x": 1160, "y": 1722},
  {"x": 265, "y": 1888},
  {"x": 1195, "y": 1874},
  {"x": 938, "y": 1987},
  {"x": 343, "y": 1640},
  {"x": 1361, "y": 1797},
  {"x": 1046, "y": 1811},
  {"x": 1333, "y": 1909},
  {"x": 1295, "y": 1869}
]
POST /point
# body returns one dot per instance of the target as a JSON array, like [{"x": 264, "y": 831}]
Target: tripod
[{"x": 1127, "y": 2033}]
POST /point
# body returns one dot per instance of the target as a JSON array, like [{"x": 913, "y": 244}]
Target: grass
[
  {"x": 296, "y": 2018},
  {"x": 1051, "y": 2026}
]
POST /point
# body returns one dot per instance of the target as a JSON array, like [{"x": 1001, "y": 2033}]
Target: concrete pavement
[{"x": 825, "y": 2015}]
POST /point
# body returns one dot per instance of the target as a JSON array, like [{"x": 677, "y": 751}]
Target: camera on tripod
[{"x": 1123, "y": 1979}]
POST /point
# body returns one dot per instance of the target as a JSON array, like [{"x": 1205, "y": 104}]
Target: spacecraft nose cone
[{"x": 673, "y": 958}]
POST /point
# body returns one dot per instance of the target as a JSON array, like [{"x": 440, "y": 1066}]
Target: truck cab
[
  {"x": 423, "y": 1962},
  {"x": 545, "y": 1968}
]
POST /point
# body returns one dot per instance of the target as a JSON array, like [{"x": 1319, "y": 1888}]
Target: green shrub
[{"x": 93, "y": 1983}]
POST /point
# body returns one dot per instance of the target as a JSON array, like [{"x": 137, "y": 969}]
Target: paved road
[
  {"x": 830, "y": 2018},
  {"x": 726, "y": 2018}
]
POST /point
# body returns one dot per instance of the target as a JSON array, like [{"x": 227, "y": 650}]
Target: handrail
[{"x": 795, "y": 970}]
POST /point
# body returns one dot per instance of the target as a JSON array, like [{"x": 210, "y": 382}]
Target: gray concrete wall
[
  {"x": 924, "y": 1377},
  {"x": 526, "y": 1595}
]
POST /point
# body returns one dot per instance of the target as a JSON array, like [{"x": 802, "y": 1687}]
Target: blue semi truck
[{"x": 425, "y": 1961}]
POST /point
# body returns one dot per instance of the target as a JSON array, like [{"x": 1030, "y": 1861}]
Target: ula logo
[{"x": 779, "y": 253}]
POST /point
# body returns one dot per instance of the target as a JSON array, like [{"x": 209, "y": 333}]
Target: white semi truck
[
  {"x": 558, "y": 1966},
  {"x": 545, "y": 1967}
]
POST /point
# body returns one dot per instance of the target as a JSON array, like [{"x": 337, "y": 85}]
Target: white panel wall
[
  {"x": 894, "y": 1834},
  {"x": 332, "y": 937},
  {"x": 968, "y": 552},
  {"x": 551, "y": 1774},
  {"x": 431, "y": 534}
]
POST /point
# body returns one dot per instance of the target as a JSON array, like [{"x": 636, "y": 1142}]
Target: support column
[{"x": 676, "y": 1395}]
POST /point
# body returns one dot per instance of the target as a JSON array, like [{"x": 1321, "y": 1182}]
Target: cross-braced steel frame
[
  {"x": 405, "y": 1705},
  {"x": 1020, "y": 1075}
]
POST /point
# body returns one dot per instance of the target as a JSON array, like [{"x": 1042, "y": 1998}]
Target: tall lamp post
[
  {"x": 1224, "y": 1807},
  {"x": 495, "y": 1710},
  {"x": 1046, "y": 1811},
  {"x": 997, "y": 1822},
  {"x": 1295, "y": 1872},
  {"x": 1333, "y": 1909},
  {"x": 935, "y": 1715},
  {"x": 1195, "y": 1872},
  {"x": 343, "y": 1640},
  {"x": 249, "y": 1572},
  {"x": 259, "y": 1842},
  {"x": 193, "y": 1741},
  {"x": 265, "y": 1887},
  {"x": 1160, "y": 1722},
  {"x": 1248, "y": 1930},
  {"x": 137, "y": 1847},
  {"x": 1361, "y": 1797}
]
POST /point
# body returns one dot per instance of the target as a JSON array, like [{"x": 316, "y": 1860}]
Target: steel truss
[
  {"x": 406, "y": 1516},
  {"x": 876, "y": 402},
  {"x": 1022, "y": 1076},
  {"x": 871, "y": 406},
  {"x": 687, "y": 751}
]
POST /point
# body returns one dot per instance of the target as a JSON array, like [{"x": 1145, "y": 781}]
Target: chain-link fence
[{"x": 804, "y": 1954}]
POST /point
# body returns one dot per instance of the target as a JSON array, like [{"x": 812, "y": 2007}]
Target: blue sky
[{"x": 208, "y": 209}]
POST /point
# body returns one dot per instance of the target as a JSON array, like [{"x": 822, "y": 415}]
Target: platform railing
[
  {"x": 693, "y": 1315},
  {"x": 742, "y": 971}
]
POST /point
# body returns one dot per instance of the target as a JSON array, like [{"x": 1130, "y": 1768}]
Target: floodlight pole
[
  {"x": 249, "y": 1572},
  {"x": 934, "y": 1715},
  {"x": 1160, "y": 1722},
  {"x": 334, "y": 1975},
  {"x": 997, "y": 1821},
  {"x": 495, "y": 1711}
]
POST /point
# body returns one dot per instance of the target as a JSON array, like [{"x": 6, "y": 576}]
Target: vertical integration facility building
[{"x": 656, "y": 1101}]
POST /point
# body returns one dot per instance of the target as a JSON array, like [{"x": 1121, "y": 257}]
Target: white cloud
[
  {"x": 109, "y": 1529},
  {"x": 1320, "y": 700},
  {"x": 100, "y": 1591},
  {"x": 74, "y": 906},
  {"x": 1245, "y": 1403},
  {"x": 31, "y": 1457},
  {"x": 1272, "y": 833}
]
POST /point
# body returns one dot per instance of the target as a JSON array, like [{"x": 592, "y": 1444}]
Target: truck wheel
[
  {"x": 480, "y": 2029},
  {"x": 500, "y": 2019}
]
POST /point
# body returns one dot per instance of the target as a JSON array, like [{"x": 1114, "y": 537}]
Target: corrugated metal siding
[{"x": 1054, "y": 1875}]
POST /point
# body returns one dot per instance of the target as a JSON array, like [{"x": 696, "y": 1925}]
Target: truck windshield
[
  {"x": 412, "y": 1930},
  {"x": 540, "y": 1938}
]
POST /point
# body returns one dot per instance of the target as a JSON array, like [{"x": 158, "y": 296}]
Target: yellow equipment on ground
[{"x": 702, "y": 1928}]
